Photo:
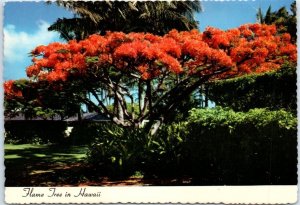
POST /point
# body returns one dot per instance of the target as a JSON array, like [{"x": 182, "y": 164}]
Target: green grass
[
  {"x": 30, "y": 165},
  {"x": 45, "y": 152}
]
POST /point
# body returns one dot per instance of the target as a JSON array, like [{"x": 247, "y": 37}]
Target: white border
[
  {"x": 203, "y": 194},
  {"x": 163, "y": 194}
]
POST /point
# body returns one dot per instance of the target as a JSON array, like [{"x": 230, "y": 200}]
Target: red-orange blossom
[
  {"x": 249, "y": 48},
  {"x": 144, "y": 57}
]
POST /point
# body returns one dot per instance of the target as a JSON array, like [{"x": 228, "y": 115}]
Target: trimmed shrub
[
  {"x": 257, "y": 147},
  {"x": 273, "y": 90}
]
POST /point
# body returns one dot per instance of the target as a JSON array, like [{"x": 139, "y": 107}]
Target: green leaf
[
  {"x": 62, "y": 51},
  {"x": 113, "y": 159},
  {"x": 93, "y": 59},
  {"x": 159, "y": 63},
  {"x": 179, "y": 138}
]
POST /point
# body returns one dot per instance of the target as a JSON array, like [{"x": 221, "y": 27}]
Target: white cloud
[{"x": 17, "y": 44}]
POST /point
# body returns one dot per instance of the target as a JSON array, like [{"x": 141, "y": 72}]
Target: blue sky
[
  {"x": 230, "y": 14},
  {"x": 26, "y": 23}
]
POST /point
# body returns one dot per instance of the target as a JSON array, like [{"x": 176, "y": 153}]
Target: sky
[{"x": 26, "y": 23}]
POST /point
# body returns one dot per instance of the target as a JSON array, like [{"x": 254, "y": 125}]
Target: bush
[
  {"x": 116, "y": 151},
  {"x": 274, "y": 90},
  {"x": 214, "y": 147},
  {"x": 84, "y": 132},
  {"x": 257, "y": 147},
  {"x": 46, "y": 131},
  {"x": 164, "y": 155},
  {"x": 120, "y": 152},
  {"x": 34, "y": 132}
]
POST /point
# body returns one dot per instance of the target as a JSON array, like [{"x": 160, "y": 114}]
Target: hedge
[
  {"x": 273, "y": 90},
  {"x": 256, "y": 147},
  {"x": 34, "y": 131},
  {"x": 214, "y": 147},
  {"x": 48, "y": 131}
]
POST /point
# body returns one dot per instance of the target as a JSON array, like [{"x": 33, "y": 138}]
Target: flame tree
[{"x": 138, "y": 76}]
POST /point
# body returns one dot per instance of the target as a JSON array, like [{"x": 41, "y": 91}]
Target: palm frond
[
  {"x": 156, "y": 17},
  {"x": 260, "y": 16}
]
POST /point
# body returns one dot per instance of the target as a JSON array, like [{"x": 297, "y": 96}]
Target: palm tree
[
  {"x": 284, "y": 21},
  {"x": 267, "y": 19},
  {"x": 128, "y": 16}
]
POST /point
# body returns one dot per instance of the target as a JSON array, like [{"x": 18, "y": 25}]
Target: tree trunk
[
  {"x": 120, "y": 114},
  {"x": 140, "y": 90},
  {"x": 79, "y": 113},
  {"x": 206, "y": 97},
  {"x": 176, "y": 96},
  {"x": 155, "y": 126},
  {"x": 149, "y": 95}
]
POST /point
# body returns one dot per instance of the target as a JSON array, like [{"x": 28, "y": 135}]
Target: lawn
[
  {"x": 52, "y": 153},
  {"x": 52, "y": 165},
  {"x": 43, "y": 165}
]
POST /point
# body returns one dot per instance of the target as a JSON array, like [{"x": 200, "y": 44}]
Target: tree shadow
[
  {"x": 54, "y": 165},
  {"x": 46, "y": 165}
]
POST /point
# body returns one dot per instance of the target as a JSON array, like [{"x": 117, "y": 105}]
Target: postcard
[{"x": 150, "y": 102}]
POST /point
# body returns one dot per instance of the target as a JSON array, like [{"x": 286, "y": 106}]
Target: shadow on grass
[
  {"x": 45, "y": 165},
  {"x": 50, "y": 153},
  {"x": 53, "y": 165}
]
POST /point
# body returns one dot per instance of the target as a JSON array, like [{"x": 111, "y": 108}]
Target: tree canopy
[
  {"x": 157, "y": 17},
  {"x": 39, "y": 100},
  {"x": 155, "y": 72},
  {"x": 273, "y": 90}
]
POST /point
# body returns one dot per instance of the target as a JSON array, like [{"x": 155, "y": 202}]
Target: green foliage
[
  {"x": 34, "y": 132},
  {"x": 273, "y": 90},
  {"x": 84, "y": 132},
  {"x": 101, "y": 16},
  {"x": 215, "y": 146},
  {"x": 181, "y": 112},
  {"x": 285, "y": 22},
  {"x": 135, "y": 109},
  {"x": 165, "y": 153},
  {"x": 120, "y": 152},
  {"x": 42, "y": 100},
  {"x": 93, "y": 59},
  {"x": 258, "y": 118},
  {"x": 116, "y": 151},
  {"x": 256, "y": 147}
]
